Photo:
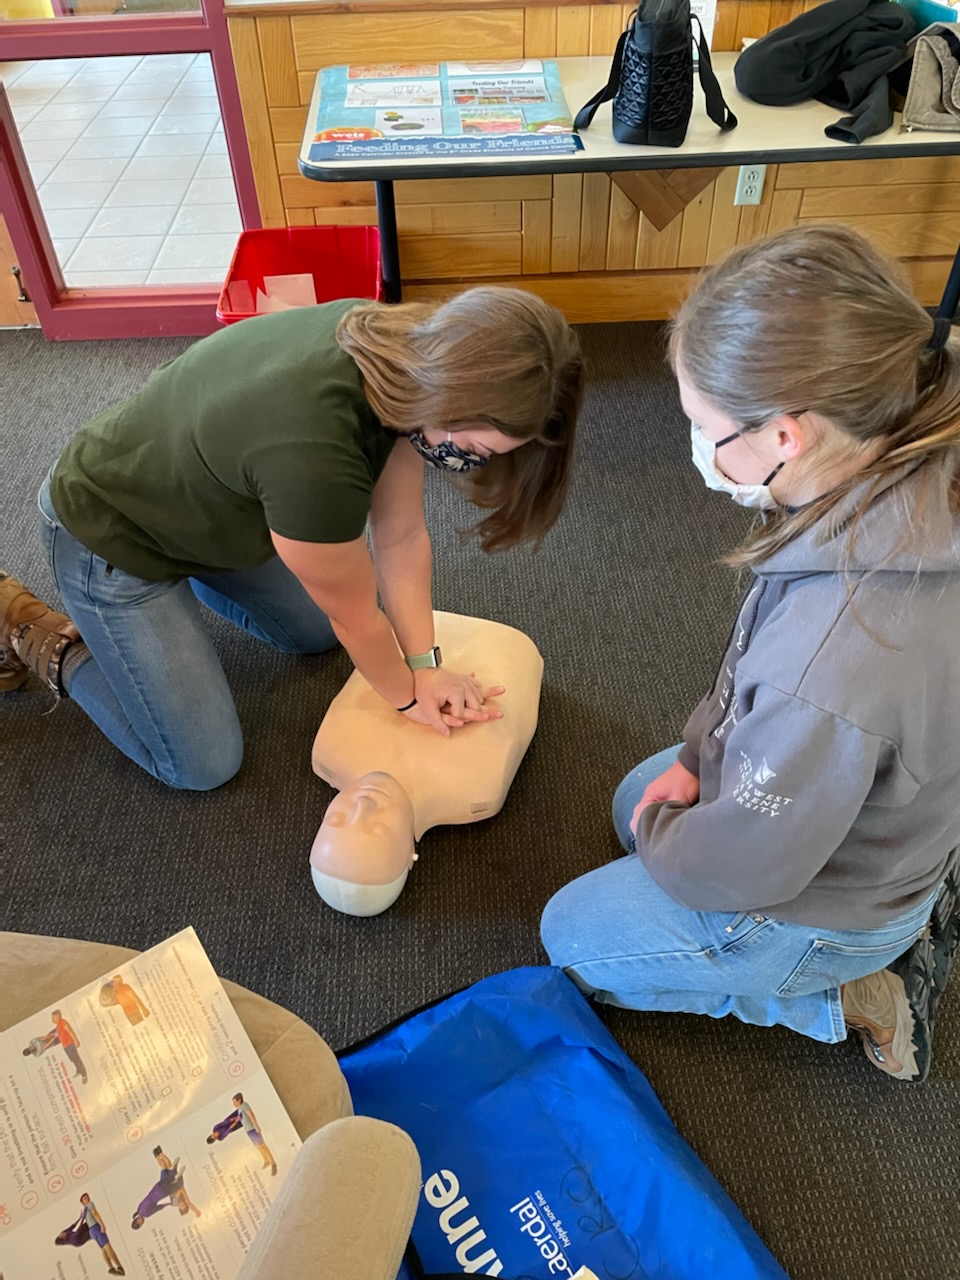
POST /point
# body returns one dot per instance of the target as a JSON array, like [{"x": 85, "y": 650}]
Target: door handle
[{"x": 22, "y": 296}]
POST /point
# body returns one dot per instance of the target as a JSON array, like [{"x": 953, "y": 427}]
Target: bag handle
[
  {"x": 717, "y": 109},
  {"x": 716, "y": 105},
  {"x": 589, "y": 109}
]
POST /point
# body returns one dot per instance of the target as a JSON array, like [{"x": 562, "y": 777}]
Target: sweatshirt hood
[{"x": 888, "y": 538}]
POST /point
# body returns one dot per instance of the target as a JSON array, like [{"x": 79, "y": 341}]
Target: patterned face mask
[{"x": 446, "y": 454}]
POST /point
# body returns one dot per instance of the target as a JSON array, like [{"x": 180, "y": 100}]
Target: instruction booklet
[
  {"x": 139, "y": 1132},
  {"x": 441, "y": 109}
]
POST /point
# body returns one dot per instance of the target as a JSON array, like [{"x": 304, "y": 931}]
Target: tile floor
[{"x": 130, "y": 163}]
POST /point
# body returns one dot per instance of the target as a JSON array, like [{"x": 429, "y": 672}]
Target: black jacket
[{"x": 840, "y": 53}]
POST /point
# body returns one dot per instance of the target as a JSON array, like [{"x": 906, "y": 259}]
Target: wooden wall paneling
[
  {"x": 725, "y": 219},
  {"x": 300, "y": 218},
  {"x": 648, "y": 190},
  {"x": 605, "y": 29},
  {"x": 623, "y": 231},
  {"x": 591, "y": 299},
  {"x": 279, "y": 66},
  {"x": 453, "y": 257},
  {"x": 662, "y": 194},
  {"x": 565, "y": 231},
  {"x": 364, "y": 215},
  {"x": 784, "y": 11},
  {"x": 927, "y": 277},
  {"x": 587, "y": 297},
  {"x": 573, "y": 32},
  {"x": 303, "y": 193},
  {"x": 459, "y": 219},
  {"x": 784, "y": 209},
  {"x": 725, "y": 26},
  {"x": 905, "y": 235},
  {"x": 658, "y": 249},
  {"x": 323, "y": 39},
  {"x": 537, "y": 220},
  {"x": 287, "y": 153},
  {"x": 13, "y": 313},
  {"x": 288, "y": 123},
  {"x": 540, "y": 32},
  {"x": 537, "y": 186},
  {"x": 840, "y": 202},
  {"x": 307, "y": 81},
  {"x": 753, "y": 21},
  {"x": 256, "y": 119},
  {"x": 594, "y": 221},
  {"x": 695, "y": 229},
  {"x": 754, "y": 218},
  {"x": 868, "y": 173}
]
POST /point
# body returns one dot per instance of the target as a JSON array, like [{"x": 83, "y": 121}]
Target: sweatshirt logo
[
  {"x": 748, "y": 792},
  {"x": 763, "y": 774}
]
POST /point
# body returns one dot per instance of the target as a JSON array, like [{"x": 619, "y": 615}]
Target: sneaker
[{"x": 33, "y": 633}]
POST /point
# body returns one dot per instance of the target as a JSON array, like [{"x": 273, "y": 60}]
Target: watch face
[{"x": 437, "y": 659}]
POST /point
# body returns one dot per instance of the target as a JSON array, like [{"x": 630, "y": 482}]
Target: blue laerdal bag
[{"x": 543, "y": 1147}]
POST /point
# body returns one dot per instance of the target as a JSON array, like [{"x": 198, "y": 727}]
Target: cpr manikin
[{"x": 397, "y": 779}]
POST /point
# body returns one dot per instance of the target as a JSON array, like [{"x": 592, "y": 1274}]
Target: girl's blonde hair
[
  {"x": 493, "y": 357},
  {"x": 815, "y": 319}
]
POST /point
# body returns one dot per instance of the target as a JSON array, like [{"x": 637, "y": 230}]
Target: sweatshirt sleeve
[
  {"x": 793, "y": 781},
  {"x": 693, "y": 731}
]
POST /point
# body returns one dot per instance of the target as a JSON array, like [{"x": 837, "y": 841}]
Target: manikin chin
[{"x": 397, "y": 779}]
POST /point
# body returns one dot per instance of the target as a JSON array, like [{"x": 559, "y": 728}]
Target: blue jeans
[
  {"x": 626, "y": 942},
  {"x": 153, "y": 682}
]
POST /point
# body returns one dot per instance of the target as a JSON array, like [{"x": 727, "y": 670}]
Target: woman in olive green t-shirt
[{"x": 246, "y": 475}]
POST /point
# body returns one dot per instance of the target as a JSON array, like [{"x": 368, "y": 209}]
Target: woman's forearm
[
  {"x": 372, "y": 647},
  {"x": 405, "y": 582}
]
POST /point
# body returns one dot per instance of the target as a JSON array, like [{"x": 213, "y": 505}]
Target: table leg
[{"x": 389, "y": 245}]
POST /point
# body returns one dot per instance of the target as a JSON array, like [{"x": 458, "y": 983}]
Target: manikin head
[{"x": 365, "y": 847}]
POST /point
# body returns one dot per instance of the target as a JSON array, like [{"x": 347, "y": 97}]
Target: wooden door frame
[{"x": 115, "y": 312}]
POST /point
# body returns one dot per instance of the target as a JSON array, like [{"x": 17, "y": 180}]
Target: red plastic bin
[{"x": 344, "y": 263}]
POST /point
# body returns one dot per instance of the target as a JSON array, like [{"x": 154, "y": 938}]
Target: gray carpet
[{"x": 844, "y": 1173}]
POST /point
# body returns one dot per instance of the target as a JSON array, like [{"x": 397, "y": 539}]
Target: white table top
[{"x": 764, "y": 135}]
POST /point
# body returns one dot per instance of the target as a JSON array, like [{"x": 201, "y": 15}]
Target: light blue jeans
[
  {"x": 153, "y": 683},
  {"x": 626, "y": 942}
]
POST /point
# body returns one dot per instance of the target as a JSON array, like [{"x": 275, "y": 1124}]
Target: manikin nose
[{"x": 363, "y": 807}]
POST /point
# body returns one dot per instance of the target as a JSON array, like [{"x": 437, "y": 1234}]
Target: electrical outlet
[{"x": 750, "y": 184}]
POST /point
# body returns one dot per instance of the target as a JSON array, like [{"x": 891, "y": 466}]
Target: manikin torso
[{"x": 397, "y": 779}]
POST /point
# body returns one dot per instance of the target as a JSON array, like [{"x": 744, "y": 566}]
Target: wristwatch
[{"x": 431, "y": 658}]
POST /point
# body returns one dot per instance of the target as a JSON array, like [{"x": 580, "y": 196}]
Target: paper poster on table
[
  {"x": 407, "y": 110},
  {"x": 139, "y": 1132}
]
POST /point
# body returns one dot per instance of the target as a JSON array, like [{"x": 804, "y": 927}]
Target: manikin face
[{"x": 367, "y": 832}]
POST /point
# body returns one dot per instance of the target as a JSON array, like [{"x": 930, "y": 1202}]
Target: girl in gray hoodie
[{"x": 792, "y": 860}]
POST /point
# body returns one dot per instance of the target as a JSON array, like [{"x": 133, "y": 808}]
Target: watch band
[{"x": 417, "y": 661}]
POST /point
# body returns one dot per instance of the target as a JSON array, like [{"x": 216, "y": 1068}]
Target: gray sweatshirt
[{"x": 828, "y": 750}]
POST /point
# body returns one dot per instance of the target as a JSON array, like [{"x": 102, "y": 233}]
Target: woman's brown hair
[
  {"x": 816, "y": 320},
  {"x": 493, "y": 357}
]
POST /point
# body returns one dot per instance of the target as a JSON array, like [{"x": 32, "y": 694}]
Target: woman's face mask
[
  {"x": 446, "y": 454},
  {"x": 704, "y": 452}
]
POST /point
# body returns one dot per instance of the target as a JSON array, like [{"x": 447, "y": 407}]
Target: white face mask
[{"x": 704, "y": 453}]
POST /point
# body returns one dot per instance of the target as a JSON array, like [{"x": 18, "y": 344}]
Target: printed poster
[
  {"x": 139, "y": 1132},
  {"x": 442, "y": 109}
]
